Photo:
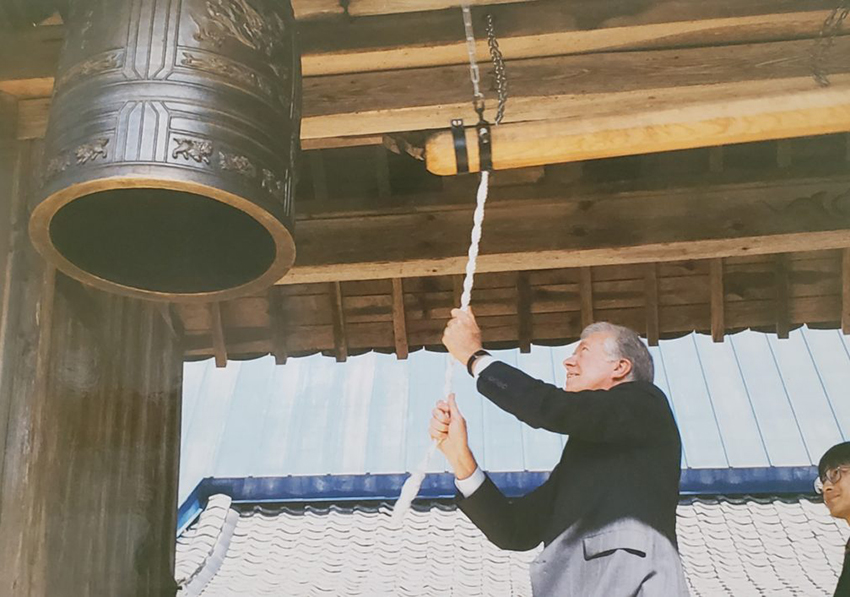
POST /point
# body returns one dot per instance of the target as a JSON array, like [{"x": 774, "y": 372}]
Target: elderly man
[
  {"x": 607, "y": 513},
  {"x": 834, "y": 483}
]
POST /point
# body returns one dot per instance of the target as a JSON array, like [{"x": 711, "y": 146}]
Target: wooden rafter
[
  {"x": 772, "y": 217},
  {"x": 524, "y": 327},
  {"x": 399, "y": 323},
  {"x": 339, "y": 331},
  {"x": 845, "y": 291},
  {"x": 718, "y": 313},
  {"x": 278, "y": 324},
  {"x": 619, "y": 296},
  {"x": 653, "y": 333},
  {"x": 218, "y": 339},
  {"x": 585, "y": 287},
  {"x": 780, "y": 297}
]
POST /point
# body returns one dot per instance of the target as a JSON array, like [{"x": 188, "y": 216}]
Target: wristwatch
[{"x": 473, "y": 358}]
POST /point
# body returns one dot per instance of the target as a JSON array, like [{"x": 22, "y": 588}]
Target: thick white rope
[{"x": 414, "y": 482}]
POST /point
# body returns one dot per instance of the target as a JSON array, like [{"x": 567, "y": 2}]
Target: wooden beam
[
  {"x": 653, "y": 85},
  {"x": 217, "y": 331},
  {"x": 570, "y": 231},
  {"x": 585, "y": 289},
  {"x": 366, "y": 103},
  {"x": 399, "y": 323},
  {"x": 781, "y": 289},
  {"x": 651, "y": 293},
  {"x": 278, "y": 324},
  {"x": 318, "y": 9},
  {"x": 338, "y": 314},
  {"x": 845, "y": 291},
  {"x": 699, "y": 123},
  {"x": 551, "y": 28},
  {"x": 718, "y": 315},
  {"x": 524, "y": 325}
]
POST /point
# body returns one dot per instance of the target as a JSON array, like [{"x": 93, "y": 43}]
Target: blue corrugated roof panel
[{"x": 752, "y": 401}]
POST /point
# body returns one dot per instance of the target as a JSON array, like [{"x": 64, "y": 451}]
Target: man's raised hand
[
  {"x": 462, "y": 336},
  {"x": 448, "y": 427}
]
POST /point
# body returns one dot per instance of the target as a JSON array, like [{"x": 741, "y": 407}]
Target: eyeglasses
[{"x": 833, "y": 475}]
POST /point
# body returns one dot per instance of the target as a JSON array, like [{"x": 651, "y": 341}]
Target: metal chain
[
  {"x": 826, "y": 38},
  {"x": 499, "y": 71},
  {"x": 474, "y": 73}
]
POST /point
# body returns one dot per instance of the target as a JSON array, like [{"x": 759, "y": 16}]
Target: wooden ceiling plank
[
  {"x": 653, "y": 331},
  {"x": 781, "y": 296},
  {"x": 338, "y": 314},
  {"x": 845, "y": 291},
  {"x": 718, "y": 316},
  {"x": 399, "y": 323},
  {"x": 734, "y": 220},
  {"x": 218, "y": 337},
  {"x": 586, "y": 295}
]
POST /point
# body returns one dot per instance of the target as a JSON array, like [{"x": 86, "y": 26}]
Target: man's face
[
  {"x": 836, "y": 496},
  {"x": 590, "y": 367}
]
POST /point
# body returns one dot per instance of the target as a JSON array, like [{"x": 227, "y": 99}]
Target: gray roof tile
[{"x": 739, "y": 547}]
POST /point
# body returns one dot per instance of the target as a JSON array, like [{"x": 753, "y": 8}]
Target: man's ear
[{"x": 622, "y": 370}]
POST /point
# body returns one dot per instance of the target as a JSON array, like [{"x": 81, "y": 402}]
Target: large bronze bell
[{"x": 169, "y": 157}]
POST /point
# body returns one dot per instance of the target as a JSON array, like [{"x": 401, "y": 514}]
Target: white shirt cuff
[
  {"x": 471, "y": 484},
  {"x": 481, "y": 363}
]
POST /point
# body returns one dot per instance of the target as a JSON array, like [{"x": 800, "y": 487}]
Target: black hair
[{"x": 837, "y": 455}]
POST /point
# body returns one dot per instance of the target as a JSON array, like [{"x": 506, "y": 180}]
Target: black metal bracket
[
  {"x": 459, "y": 138},
  {"x": 485, "y": 146}
]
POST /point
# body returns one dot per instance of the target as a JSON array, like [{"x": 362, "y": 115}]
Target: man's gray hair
[{"x": 623, "y": 343}]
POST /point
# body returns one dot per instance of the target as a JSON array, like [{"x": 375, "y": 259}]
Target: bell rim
[{"x": 49, "y": 206}]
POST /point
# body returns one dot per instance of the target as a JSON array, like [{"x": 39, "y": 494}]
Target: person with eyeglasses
[{"x": 833, "y": 483}]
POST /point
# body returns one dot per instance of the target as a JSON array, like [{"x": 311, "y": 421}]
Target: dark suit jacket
[
  {"x": 622, "y": 463},
  {"x": 843, "y": 588}
]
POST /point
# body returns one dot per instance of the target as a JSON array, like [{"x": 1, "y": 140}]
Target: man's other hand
[
  {"x": 448, "y": 427},
  {"x": 462, "y": 337}
]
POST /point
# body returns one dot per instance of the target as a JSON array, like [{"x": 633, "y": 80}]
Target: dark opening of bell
[{"x": 162, "y": 240}]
